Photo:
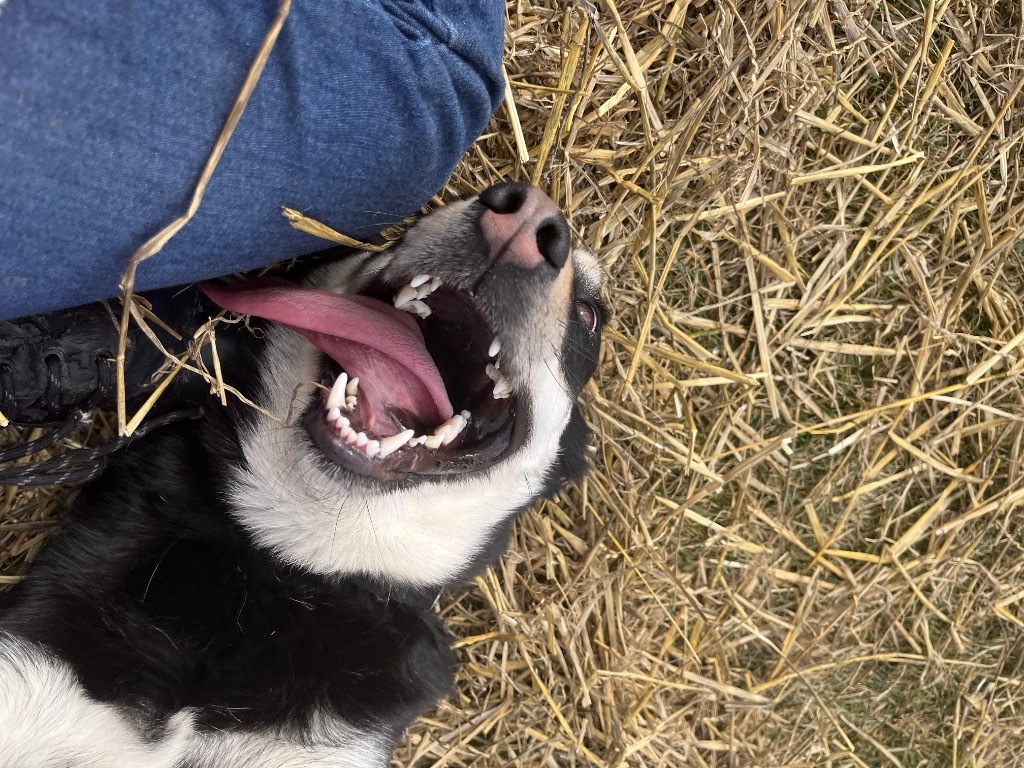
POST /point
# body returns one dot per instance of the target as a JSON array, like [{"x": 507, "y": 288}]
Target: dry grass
[{"x": 801, "y": 543}]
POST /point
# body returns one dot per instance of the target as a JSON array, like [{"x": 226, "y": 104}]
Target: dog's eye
[{"x": 588, "y": 314}]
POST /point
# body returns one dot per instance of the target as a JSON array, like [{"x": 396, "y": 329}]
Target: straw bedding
[{"x": 801, "y": 544}]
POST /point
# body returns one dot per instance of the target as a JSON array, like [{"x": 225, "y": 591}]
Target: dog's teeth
[
  {"x": 452, "y": 423},
  {"x": 333, "y": 415},
  {"x": 495, "y": 347},
  {"x": 426, "y": 289},
  {"x": 502, "y": 388},
  {"x": 433, "y": 442},
  {"x": 451, "y": 428},
  {"x": 350, "y": 402},
  {"x": 389, "y": 445},
  {"x": 336, "y": 399},
  {"x": 404, "y": 296},
  {"x": 418, "y": 440},
  {"x": 417, "y": 308},
  {"x": 419, "y": 280},
  {"x": 352, "y": 387},
  {"x": 408, "y": 300},
  {"x": 466, "y": 416},
  {"x": 362, "y": 439},
  {"x": 372, "y": 448}
]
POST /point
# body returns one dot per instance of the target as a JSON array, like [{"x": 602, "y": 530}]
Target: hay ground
[{"x": 801, "y": 544}]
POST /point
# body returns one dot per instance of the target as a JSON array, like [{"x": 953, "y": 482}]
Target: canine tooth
[
  {"x": 456, "y": 422},
  {"x": 352, "y": 387},
  {"x": 493, "y": 373},
  {"x": 433, "y": 442},
  {"x": 417, "y": 307},
  {"x": 389, "y": 445},
  {"x": 495, "y": 347},
  {"x": 419, "y": 280},
  {"x": 428, "y": 288},
  {"x": 362, "y": 439},
  {"x": 451, "y": 428},
  {"x": 336, "y": 398},
  {"x": 404, "y": 296},
  {"x": 333, "y": 414},
  {"x": 372, "y": 448}
]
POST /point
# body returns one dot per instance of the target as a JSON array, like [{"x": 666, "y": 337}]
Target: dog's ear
[{"x": 572, "y": 463}]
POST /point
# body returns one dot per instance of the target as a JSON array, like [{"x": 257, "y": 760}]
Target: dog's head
[{"x": 450, "y": 368}]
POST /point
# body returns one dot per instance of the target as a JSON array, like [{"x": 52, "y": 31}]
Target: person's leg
[{"x": 108, "y": 110}]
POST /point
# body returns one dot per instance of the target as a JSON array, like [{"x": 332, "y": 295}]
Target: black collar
[{"x": 420, "y": 598}]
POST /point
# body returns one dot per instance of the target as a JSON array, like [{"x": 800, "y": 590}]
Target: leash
[{"x": 76, "y": 465}]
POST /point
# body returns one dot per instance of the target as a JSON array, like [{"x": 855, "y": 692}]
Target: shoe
[{"x": 53, "y": 365}]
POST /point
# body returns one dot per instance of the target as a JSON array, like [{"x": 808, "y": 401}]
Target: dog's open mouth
[{"x": 411, "y": 374}]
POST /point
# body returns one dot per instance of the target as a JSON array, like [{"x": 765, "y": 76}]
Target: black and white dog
[{"x": 246, "y": 591}]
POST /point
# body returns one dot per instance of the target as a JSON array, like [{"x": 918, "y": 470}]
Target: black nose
[{"x": 524, "y": 225}]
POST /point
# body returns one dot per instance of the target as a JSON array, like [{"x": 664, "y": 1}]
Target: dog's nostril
[
  {"x": 505, "y": 198},
  {"x": 523, "y": 226},
  {"x": 553, "y": 242}
]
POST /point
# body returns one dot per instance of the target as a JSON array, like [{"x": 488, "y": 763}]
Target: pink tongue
[{"x": 381, "y": 345}]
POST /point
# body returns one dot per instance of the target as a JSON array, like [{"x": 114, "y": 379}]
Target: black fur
[{"x": 160, "y": 601}]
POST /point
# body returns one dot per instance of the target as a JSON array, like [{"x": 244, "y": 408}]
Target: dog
[{"x": 249, "y": 590}]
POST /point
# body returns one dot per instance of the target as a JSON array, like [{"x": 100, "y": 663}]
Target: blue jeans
[{"x": 109, "y": 108}]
